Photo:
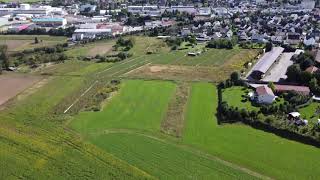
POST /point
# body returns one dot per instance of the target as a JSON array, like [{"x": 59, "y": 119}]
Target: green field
[
  {"x": 23, "y": 42},
  {"x": 35, "y": 144},
  {"x": 257, "y": 150},
  {"x": 310, "y": 112},
  {"x": 124, "y": 140},
  {"x": 138, "y": 105},
  {"x": 212, "y": 57},
  {"x": 165, "y": 160}
]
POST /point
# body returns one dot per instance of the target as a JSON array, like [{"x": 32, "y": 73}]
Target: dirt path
[{"x": 186, "y": 148}]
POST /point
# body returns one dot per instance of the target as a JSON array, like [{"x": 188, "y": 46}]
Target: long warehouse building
[{"x": 265, "y": 62}]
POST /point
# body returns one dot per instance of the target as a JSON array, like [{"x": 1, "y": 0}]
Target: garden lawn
[
  {"x": 310, "y": 112},
  {"x": 164, "y": 160},
  {"x": 233, "y": 96},
  {"x": 138, "y": 105},
  {"x": 257, "y": 150}
]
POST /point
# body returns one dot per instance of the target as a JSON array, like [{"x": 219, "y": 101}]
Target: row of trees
[
  {"x": 127, "y": 44},
  {"x": 296, "y": 72},
  {"x": 33, "y": 57},
  {"x": 42, "y": 31},
  {"x": 113, "y": 58},
  {"x": 4, "y": 59},
  {"x": 220, "y": 44}
]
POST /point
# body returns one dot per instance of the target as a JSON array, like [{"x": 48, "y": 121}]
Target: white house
[
  {"x": 309, "y": 41},
  {"x": 264, "y": 95}
]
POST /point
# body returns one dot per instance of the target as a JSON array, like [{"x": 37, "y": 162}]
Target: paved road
[{"x": 279, "y": 69}]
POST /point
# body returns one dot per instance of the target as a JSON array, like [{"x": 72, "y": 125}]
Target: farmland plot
[
  {"x": 165, "y": 160},
  {"x": 257, "y": 150},
  {"x": 138, "y": 105},
  {"x": 12, "y": 84}
]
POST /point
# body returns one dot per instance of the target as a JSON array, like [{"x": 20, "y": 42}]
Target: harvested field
[
  {"x": 174, "y": 122},
  {"x": 176, "y": 72},
  {"x": 15, "y": 44},
  {"x": 13, "y": 84},
  {"x": 201, "y": 70},
  {"x": 100, "y": 49},
  {"x": 93, "y": 49}
]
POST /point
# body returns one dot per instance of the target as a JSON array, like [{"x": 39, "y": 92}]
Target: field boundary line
[
  {"x": 85, "y": 92},
  {"x": 136, "y": 64},
  {"x": 186, "y": 148},
  {"x": 136, "y": 69},
  {"x": 116, "y": 65}
]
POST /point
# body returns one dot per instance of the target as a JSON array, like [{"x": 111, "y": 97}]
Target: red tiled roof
[
  {"x": 299, "y": 89},
  {"x": 312, "y": 69},
  {"x": 262, "y": 90}
]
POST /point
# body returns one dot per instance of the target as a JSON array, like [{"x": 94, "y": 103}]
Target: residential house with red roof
[{"x": 265, "y": 95}]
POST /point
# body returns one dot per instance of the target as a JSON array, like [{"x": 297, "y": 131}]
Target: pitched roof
[
  {"x": 268, "y": 59},
  {"x": 299, "y": 89},
  {"x": 312, "y": 69},
  {"x": 318, "y": 56},
  {"x": 263, "y": 90}
]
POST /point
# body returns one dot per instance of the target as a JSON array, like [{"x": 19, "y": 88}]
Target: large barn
[{"x": 265, "y": 62}]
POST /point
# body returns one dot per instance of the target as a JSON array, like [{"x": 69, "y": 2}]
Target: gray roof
[
  {"x": 318, "y": 56},
  {"x": 268, "y": 59}
]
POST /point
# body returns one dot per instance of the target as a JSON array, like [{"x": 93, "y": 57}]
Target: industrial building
[
  {"x": 82, "y": 34},
  {"x": 50, "y": 22}
]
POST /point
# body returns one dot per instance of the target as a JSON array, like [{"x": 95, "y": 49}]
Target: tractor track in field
[{"x": 186, "y": 148}]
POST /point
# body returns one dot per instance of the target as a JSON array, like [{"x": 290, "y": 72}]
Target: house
[
  {"x": 264, "y": 95},
  {"x": 88, "y": 8},
  {"x": 309, "y": 41},
  {"x": 293, "y": 38},
  {"x": 317, "y": 58},
  {"x": 257, "y": 38},
  {"x": 312, "y": 69},
  {"x": 303, "y": 90}
]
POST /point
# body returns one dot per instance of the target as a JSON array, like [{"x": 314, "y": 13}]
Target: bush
[{"x": 220, "y": 44}]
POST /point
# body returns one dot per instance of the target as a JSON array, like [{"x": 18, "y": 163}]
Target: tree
[
  {"x": 235, "y": 77},
  {"x": 305, "y": 77},
  {"x": 271, "y": 86},
  {"x": 4, "y": 59},
  {"x": 36, "y": 41},
  {"x": 293, "y": 73},
  {"x": 269, "y": 46}
]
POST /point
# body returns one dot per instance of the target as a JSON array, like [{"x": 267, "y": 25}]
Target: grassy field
[
  {"x": 125, "y": 141},
  {"x": 23, "y": 42},
  {"x": 35, "y": 144},
  {"x": 254, "y": 149},
  {"x": 165, "y": 160},
  {"x": 138, "y": 105},
  {"x": 233, "y": 97},
  {"x": 310, "y": 112},
  {"x": 92, "y": 49},
  {"x": 213, "y": 65},
  {"x": 211, "y": 57}
]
